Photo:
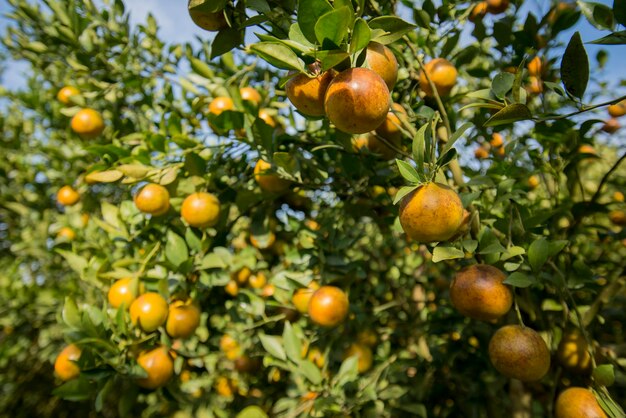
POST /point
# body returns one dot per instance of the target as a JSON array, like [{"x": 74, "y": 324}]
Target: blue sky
[{"x": 176, "y": 26}]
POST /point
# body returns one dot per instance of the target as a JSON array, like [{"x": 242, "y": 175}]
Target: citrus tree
[{"x": 343, "y": 208}]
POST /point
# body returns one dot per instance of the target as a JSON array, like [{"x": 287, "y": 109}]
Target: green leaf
[
  {"x": 329, "y": 59},
  {"x": 615, "y": 38},
  {"x": 419, "y": 145},
  {"x": 444, "y": 252},
  {"x": 70, "y": 314},
  {"x": 556, "y": 247},
  {"x": 408, "y": 171},
  {"x": 521, "y": 280},
  {"x": 509, "y": 114},
  {"x": 575, "y": 67},
  {"x": 296, "y": 36},
  {"x": 361, "y": 36},
  {"x": 404, "y": 190},
  {"x": 176, "y": 250},
  {"x": 394, "y": 28},
  {"x": 278, "y": 55},
  {"x": 273, "y": 345},
  {"x": 201, "y": 68},
  {"x": 456, "y": 135},
  {"x": 512, "y": 252},
  {"x": 309, "y": 12},
  {"x": 619, "y": 11},
  {"x": 604, "y": 375},
  {"x": 332, "y": 27},
  {"x": 446, "y": 158},
  {"x": 310, "y": 371},
  {"x": 292, "y": 343},
  {"x": 599, "y": 15},
  {"x": 502, "y": 84},
  {"x": 348, "y": 371},
  {"x": 225, "y": 41},
  {"x": 252, "y": 412},
  {"x": 538, "y": 253},
  {"x": 75, "y": 261}
]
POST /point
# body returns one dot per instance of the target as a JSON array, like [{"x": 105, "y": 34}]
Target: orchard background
[{"x": 168, "y": 213}]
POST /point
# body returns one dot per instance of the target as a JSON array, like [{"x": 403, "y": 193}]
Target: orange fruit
[
  {"x": 232, "y": 288},
  {"x": 245, "y": 364},
  {"x": 182, "y": 319},
  {"x": 357, "y": 101},
  {"x": 316, "y": 357},
  {"x": 65, "y": 366},
  {"x": 201, "y": 210},
  {"x": 586, "y": 149},
  {"x": 618, "y": 109},
  {"x": 242, "y": 275},
  {"x": 535, "y": 85},
  {"x": 481, "y": 153},
  {"x": 578, "y": 403},
  {"x": 533, "y": 181},
  {"x": 67, "y": 196},
  {"x": 431, "y": 213},
  {"x": 158, "y": 364},
  {"x": 496, "y": 140},
  {"x": 66, "y": 233},
  {"x": 367, "y": 337},
  {"x": 391, "y": 127},
  {"x": 618, "y": 217},
  {"x": 267, "y": 180},
  {"x": 618, "y": 196},
  {"x": 87, "y": 123},
  {"x": 328, "y": 306},
  {"x": 268, "y": 290},
  {"x": 211, "y": 22},
  {"x": 381, "y": 60},
  {"x": 520, "y": 353},
  {"x": 250, "y": 94},
  {"x": 572, "y": 352},
  {"x": 230, "y": 347},
  {"x": 377, "y": 146},
  {"x": 497, "y": 6},
  {"x": 442, "y": 73},
  {"x": 220, "y": 104},
  {"x": 478, "y": 292},
  {"x": 64, "y": 95},
  {"x": 611, "y": 126},
  {"x": 122, "y": 293},
  {"x": 535, "y": 67},
  {"x": 225, "y": 387},
  {"x": 153, "y": 199},
  {"x": 307, "y": 93},
  {"x": 302, "y": 296},
  {"x": 364, "y": 356},
  {"x": 257, "y": 281},
  {"x": 266, "y": 116},
  {"x": 479, "y": 11},
  {"x": 149, "y": 311},
  {"x": 263, "y": 242}
]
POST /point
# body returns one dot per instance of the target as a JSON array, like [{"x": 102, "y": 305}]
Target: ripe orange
[
  {"x": 267, "y": 180},
  {"x": 478, "y": 292},
  {"x": 316, "y": 357},
  {"x": 257, "y": 281},
  {"x": 220, "y": 104},
  {"x": 87, "y": 123},
  {"x": 618, "y": 217},
  {"x": 302, "y": 296},
  {"x": 572, "y": 352},
  {"x": 245, "y": 364},
  {"x": 65, "y": 94},
  {"x": 268, "y": 290},
  {"x": 377, "y": 146},
  {"x": 66, "y": 233},
  {"x": 618, "y": 109},
  {"x": 232, "y": 288},
  {"x": 357, "y": 101},
  {"x": 431, "y": 213},
  {"x": 497, "y": 6},
  {"x": 153, "y": 199},
  {"x": 618, "y": 196},
  {"x": 182, "y": 319},
  {"x": 122, "y": 293},
  {"x": 250, "y": 94},
  {"x": 211, "y": 22},
  {"x": 149, "y": 311},
  {"x": 535, "y": 85},
  {"x": 201, "y": 210},
  {"x": 158, "y": 364},
  {"x": 535, "y": 67},
  {"x": 391, "y": 127},
  {"x": 381, "y": 60},
  {"x": 242, "y": 275},
  {"x": 64, "y": 365},
  {"x": 442, "y": 73},
  {"x": 611, "y": 126},
  {"x": 364, "y": 356},
  {"x": 67, "y": 196},
  {"x": 307, "y": 94},
  {"x": 225, "y": 387},
  {"x": 586, "y": 149},
  {"x": 533, "y": 181},
  {"x": 520, "y": 353},
  {"x": 479, "y": 11},
  {"x": 496, "y": 140},
  {"x": 328, "y": 306},
  {"x": 481, "y": 153},
  {"x": 230, "y": 347},
  {"x": 578, "y": 403}
]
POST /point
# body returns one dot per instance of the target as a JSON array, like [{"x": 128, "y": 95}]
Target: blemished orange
[
  {"x": 357, "y": 101},
  {"x": 383, "y": 62},
  {"x": 87, "y": 123},
  {"x": 307, "y": 93},
  {"x": 302, "y": 296},
  {"x": 182, "y": 320},
  {"x": 159, "y": 365},
  {"x": 122, "y": 293},
  {"x": 431, "y": 213},
  {"x": 267, "y": 179},
  {"x": 208, "y": 21},
  {"x": 573, "y": 353},
  {"x": 65, "y": 366},
  {"x": 201, "y": 210},
  {"x": 149, "y": 311},
  {"x": 67, "y": 196},
  {"x": 328, "y": 306},
  {"x": 442, "y": 73},
  {"x": 153, "y": 199},
  {"x": 364, "y": 356},
  {"x": 578, "y": 402},
  {"x": 478, "y": 292},
  {"x": 520, "y": 353},
  {"x": 65, "y": 94},
  {"x": 250, "y": 94}
]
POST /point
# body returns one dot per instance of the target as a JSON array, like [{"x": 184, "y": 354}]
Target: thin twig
[{"x": 583, "y": 110}]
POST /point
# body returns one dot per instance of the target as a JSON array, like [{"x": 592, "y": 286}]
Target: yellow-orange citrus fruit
[
  {"x": 250, "y": 94},
  {"x": 182, "y": 319},
  {"x": 242, "y": 275},
  {"x": 257, "y": 281},
  {"x": 431, "y": 213},
  {"x": 391, "y": 127},
  {"x": 535, "y": 85},
  {"x": 611, "y": 126},
  {"x": 211, "y": 22},
  {"x": 230, "y": 347},
  {"x": 586, "y": 149},
  {"x": 535, "y": 67},
  {"x": 232, "y": 288},
  {"x": 578, "y": 402},
  {"x": 533, "y": 181},
  {"x": 618, "y": 109},
  {"x": 479, "y": 11},
  {"x": 363, "y": 354},
  {"x": 87, "y": 123},
  {"x": 263, "y": 242},
  {"x": 67, "y": 196},
  {"x": 381, "y": 60},
  {"x": 302, "y": 296},
  {"x": 64, "y": 95},
  {"x": 618, "y": 196},
  {"x": 496, "y": 140},
  {"x": 557, "y": 11},
  {"x": 122, "y": 293},
  {"x": 66, "y": 233},
  {"x": 478, "y": 292},
  {"x": 159, "y": 365},
  {"x": 357, "y": 101},
  {"x": 267, "y": 179},
  {"x": 316, "y": 357},
  {"x": 153, "y": 199},
  {"x": 618, "y": 217},
  {"x": 377, "y": 146},
  {"x": 442, "y": 73},
  {"x": 224, "y": 387},
  {"x": 266, "y": 116},
  {"x": 64, "y": 365},
  {"x": 328, "y": 306},
  {"x": 520, "y": 353},
  {"x": 245, "y": 364},
  {"x": 481, "y": 153},
  {"x": 572, "y": 352},
  {"x": 497, "y": 6},
  {"x": 149, "y": 311},
  {"x": 220, "y": 104},
  {"x": 307, "y": 94},
  {"x": 201, "y": 210}
]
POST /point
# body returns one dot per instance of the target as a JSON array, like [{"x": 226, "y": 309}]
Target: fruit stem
[{"x": 517, "y": 311}]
